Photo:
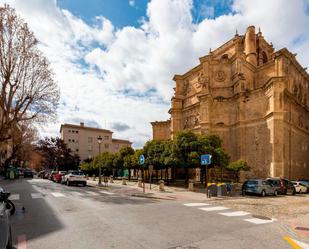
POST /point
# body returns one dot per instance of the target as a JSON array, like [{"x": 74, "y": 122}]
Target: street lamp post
[{"x": 100, "y": 177}]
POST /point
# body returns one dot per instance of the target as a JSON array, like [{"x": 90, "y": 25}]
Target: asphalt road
[{"x": 58, "y": 216}]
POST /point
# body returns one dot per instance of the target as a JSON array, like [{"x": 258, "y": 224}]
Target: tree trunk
[{"x": 187, "y": 175}]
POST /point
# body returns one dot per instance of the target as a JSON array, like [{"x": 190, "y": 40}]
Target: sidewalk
[{"x": 170, "y": 193}]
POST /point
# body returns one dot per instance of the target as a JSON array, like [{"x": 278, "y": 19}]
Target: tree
[
  {"x": 22, "y": 140},
  {"x": 120, "y": 155},
  {"x": 105, "y": 161},
  {"x": 27, "y": 89},
  {"x": 57, "y": 155},
  {"x": 238, "y": 166}
]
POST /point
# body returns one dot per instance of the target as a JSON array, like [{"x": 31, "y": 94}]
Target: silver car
[
  {"x": 5, "y": 228},
  {"x": 259, "y": 186}
]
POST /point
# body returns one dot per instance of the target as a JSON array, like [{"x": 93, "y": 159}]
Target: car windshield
[
  {"x": 79, "y": 173},
  {"x": 250, "y": 183}
]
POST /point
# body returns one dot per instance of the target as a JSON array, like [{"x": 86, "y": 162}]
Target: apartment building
[{"x": 83, "y": 140}]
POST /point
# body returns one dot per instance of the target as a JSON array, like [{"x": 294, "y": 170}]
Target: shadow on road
[{"x": 37, "y": 219}]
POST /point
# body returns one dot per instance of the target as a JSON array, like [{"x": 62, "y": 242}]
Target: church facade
[{"x": 254, "y": 98}]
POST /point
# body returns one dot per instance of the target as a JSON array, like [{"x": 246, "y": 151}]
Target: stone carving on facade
[
  {"x": 192, "y": 121},
  {"x": 220, "y": 75},
  {"x": 186, "y": 87},
  {"x": 197, "y": 119}
]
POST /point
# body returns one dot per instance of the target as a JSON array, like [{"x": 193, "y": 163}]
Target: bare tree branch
[{"x": 27, "y": 88}]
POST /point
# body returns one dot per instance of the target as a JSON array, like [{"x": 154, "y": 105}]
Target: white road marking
[
  {"x": 14, "y": 197},
  {"x": 91, "y": 193},
  {"x": 236, "y": 213},
  {"x": 57, "y": 194},
  {"x": 77, "y": 193},
  {"x": 107, "y": 193},
  {"x": 259, "y": 221},
  {"x": 214, "y": 208},
  {"x": 36, "y": 195},
  {"x": 196, "y": 204}
]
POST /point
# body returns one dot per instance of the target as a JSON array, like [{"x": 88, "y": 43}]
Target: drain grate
[
  {"x": 302, "y": 228},
  {"x": 261, "y": 217}
]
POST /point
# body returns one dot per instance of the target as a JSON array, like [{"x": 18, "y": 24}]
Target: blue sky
[{"x": 121, "y": 13}]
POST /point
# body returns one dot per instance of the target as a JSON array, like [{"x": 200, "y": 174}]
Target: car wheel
[
  {"x": 263, "y": 193},
  {"x": 10, "y": 243}
]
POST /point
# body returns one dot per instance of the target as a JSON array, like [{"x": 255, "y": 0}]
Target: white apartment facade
[{"x": 83, "y": 140}]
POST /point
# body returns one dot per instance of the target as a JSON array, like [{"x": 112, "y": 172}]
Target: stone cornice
[{"x": 285, "y": 52}]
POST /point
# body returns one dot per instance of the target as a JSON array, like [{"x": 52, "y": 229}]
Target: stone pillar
[
  {"x": 250, "y": 45},
  {"x": 124, "y": 181},
  {"x": 191, "y": 185},
  {"x": 140, "y": 184},
  {"x": 161, "y": 185}
]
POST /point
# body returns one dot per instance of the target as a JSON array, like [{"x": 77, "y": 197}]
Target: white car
[
  {"x": 74, "y": 176},
  {"x": 300, "y": 187}
]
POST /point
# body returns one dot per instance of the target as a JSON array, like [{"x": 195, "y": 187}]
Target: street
[{"x": 58, "y": 216}]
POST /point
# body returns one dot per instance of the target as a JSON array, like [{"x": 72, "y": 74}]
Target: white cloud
[
  {"x": 131, "y": 3},
  {"x": 129, "y": 78}
]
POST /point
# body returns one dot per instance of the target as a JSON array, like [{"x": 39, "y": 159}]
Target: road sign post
[
  {"x": 206, "y": 160},
  {"x": 141, "y": 161},
  {"x": 150, "y": 169}
]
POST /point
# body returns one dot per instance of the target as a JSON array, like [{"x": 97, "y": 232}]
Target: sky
[{"x": 114, "y": 60}]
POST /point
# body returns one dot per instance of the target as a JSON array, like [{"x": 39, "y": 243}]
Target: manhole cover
[
  {"x": 261, "y": 217},
  {"x": 302, "y": 228}
]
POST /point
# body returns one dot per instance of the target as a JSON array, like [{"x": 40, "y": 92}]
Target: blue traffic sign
[
  {"x": 141, "y": 159},
  {"x": 206, "y": 159}
]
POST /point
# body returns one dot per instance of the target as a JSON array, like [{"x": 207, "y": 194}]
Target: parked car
[
  {"x": 28, "y": 173},
  {"x": 74, "y": 176},
  {"x": 258, "y": 186},
  {"x": 58, "y": 176},
  {"x": 283, "y": 186},
  {"x": 21, "y": 172},
  {"x": 300, "y": 187},
  {"x": 51, "y": 175},
  {"x": 305, "y": 182},
  {"x": 5, "y": 227}
]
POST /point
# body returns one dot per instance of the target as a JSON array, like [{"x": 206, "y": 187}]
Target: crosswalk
[
  {"x": 225, "y": 211},
  {"x": 38, "y": 195}
]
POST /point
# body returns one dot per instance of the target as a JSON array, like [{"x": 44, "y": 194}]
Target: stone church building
[{"x": 254, "y": 98}]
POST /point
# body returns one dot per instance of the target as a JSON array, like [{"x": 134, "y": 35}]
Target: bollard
[
  {"x": 191, "y": 185},
  {"x": 111, "y": 180},
  {"x": 140, "y": 184},
  {"x": 93, "y": 177},
  {"x": 124, "y": 181},
  {"x": 161, "y": 185},
  {"x": 87, "y": 177}
]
